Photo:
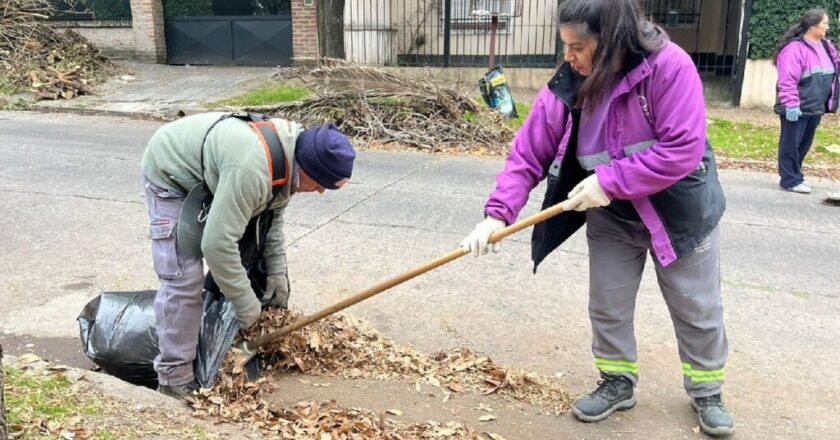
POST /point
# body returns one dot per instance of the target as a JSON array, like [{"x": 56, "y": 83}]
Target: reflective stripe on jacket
[{"x": 804, "y": 82}]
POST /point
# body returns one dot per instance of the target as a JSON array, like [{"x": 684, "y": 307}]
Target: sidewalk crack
[{"x": 366, "y": 198}]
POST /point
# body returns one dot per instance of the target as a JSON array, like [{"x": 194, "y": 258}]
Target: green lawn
[
  {"x": 741, "y": 140},
  {"x": 266, "y": 95},
  {"x": 43, "y": 404}
]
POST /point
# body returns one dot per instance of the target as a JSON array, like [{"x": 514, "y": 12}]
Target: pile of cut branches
[
  {"x": 52, "y": 64},
  {"x": 387, "y": 107}
]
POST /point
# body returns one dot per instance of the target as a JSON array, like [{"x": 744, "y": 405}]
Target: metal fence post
[
  {"x": 447, "y": 32},
  {"x": 742, "y": 53}
]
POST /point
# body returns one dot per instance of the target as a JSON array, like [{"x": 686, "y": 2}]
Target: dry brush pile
[
  {"x": 344, "y": 346},
  {"x": 52, "y": 64},
  {"x": 387, "y": 107}
]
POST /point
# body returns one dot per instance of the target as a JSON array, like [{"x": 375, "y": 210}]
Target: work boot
[
  {"x": 614, "y": 393},
  {"x": 178, "y": 391},
  {"x": 714, "y": 419}
]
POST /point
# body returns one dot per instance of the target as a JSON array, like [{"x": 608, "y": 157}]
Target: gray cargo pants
[
  {"x": 691, "y": 288},
  {"x": 178, "y": 304}
]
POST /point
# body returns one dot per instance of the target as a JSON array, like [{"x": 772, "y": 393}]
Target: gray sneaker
[
  {"x": 613, "y": 394},
  {"x": 178, "y": 391},
  {"x": 714, "y": 419}
]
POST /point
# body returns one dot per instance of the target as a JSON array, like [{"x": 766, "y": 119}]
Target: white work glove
[
  {"x": 247, "y": 309},
  {"x": 587, "y": 194},
  {"x": 277, "y": 291},
  {"x": 476, "y": 242}
]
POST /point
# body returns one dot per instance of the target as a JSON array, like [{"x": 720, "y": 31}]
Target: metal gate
[
  {"x": 253, "y": 33},
  {"x": 446, "y": 33},
  {"x": 240, "y": 40},
  {"x": 709, "y": 30}
]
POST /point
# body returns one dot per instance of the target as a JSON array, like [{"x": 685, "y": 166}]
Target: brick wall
[
  {"x": 147, "y": 19},
  {"x": 304, "y": 29},
  {"x": 114, "y": 42},
  {"x": 141, "y": 38}
]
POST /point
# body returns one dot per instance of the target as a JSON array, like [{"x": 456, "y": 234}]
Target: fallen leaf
[
  {"x": 28, "y": 358},
  {"x": 455, "y": 386},
  {"x": 315, "y": 341},
  {"x": 394, "y": 412},
  {"x": 487, "y": 418}
]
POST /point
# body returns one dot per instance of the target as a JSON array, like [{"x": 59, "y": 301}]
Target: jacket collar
[
  {"x": 565, "y": 84},
  {"x": 636, "y": 69}
]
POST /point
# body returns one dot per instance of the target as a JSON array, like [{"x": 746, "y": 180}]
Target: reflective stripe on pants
[{"x": 690, "y": 286}]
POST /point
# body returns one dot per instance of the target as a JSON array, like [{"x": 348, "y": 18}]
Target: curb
[{"x": 146, "y": 116}]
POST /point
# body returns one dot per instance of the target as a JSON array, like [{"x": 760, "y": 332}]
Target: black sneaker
[
  {"x": 613, "y": 394},
  {"x": 714, "y": 419},
  {"x": 178, "y": 391}
]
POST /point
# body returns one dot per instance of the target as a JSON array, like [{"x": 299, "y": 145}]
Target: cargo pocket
[{"x": 164, "y": 250}]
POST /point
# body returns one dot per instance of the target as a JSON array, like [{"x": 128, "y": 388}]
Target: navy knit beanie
[{"x": 325, "y": 154}]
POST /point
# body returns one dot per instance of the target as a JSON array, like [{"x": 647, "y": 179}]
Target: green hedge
[{"x": 771, "y": 18}]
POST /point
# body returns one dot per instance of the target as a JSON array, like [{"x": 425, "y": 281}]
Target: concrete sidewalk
[{"x": 155, "y": 91}]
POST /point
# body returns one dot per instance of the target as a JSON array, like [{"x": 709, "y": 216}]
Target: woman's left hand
[{"x": 587, "y": 194}]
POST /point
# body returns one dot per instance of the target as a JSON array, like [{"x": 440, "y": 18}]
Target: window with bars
[
  {"x": 464, "y": 22},
  {"x": 672, "y": 13}
]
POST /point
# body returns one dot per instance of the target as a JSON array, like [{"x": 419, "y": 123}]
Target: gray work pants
[
  {"x": 691, "y": 288},
  {"x": 178, "y": 304}
]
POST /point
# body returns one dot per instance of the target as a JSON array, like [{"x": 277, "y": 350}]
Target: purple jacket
[
  {"x": 804, "y": 81},
  {"x": 656, "y": 155}
]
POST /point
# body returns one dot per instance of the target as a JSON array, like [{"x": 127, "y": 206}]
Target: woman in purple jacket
[
  {"x": 621, "y": 131},
  {"x": 807, "y": 88}
]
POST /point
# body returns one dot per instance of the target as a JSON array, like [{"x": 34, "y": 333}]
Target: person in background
[
  {"x": 807, "y": 88},
  {"x": 621, "y": 131}
]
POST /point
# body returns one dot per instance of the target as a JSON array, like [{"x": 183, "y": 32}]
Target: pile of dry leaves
[
  {"x": 389, "y": 108},
  {"x": 52, "y": 64},
  {"x": 342, "y": 345}
]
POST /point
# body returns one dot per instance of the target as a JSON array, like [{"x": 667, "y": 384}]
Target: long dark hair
[
  {"x": 810, "y": 18},
  {"x": 621, "y": 34}
]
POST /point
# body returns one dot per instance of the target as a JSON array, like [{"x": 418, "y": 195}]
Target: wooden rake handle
[{"x": 401, "y": 278}]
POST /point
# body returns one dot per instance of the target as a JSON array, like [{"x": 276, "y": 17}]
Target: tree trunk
[
  {"x": 4, "y": 431},
  {"x": 331, "y": 28}
]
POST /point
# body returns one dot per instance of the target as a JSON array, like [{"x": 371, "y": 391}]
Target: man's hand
[
  {"x": 277, "y": 291},
  {"x": 476, "y": 242},
  {"x": 247, "y": 309},
  {"x": 792, "y": 114},
  {"x": 587, "y": 194}
]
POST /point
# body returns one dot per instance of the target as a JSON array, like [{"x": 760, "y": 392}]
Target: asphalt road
[{"x": 74, "y": 225}]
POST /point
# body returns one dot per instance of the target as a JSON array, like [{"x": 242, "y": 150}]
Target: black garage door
[{"x": 226, "y": 32}]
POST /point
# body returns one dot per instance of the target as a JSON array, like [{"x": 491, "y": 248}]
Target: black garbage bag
[
  {"x": 118, "y": 328},
  {"x": 118, "y": 335}
]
